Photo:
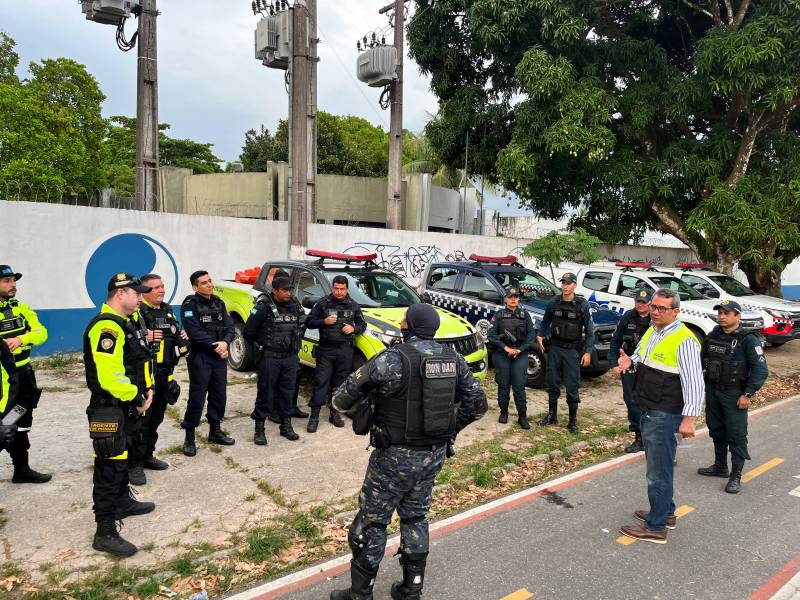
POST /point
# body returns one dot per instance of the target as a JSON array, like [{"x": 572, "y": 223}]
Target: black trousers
[
  {"x": 208, "y": 374},
  {"x": 110, "y": 487},
  {"x": 28, "y": 397},
  {"x": 277, "y": 380},
  {"x": 142, "y": 442},
  {"x": 333, "y": 366}
]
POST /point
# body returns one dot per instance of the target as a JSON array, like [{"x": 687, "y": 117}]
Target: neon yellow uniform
[{"x": 18, "y": 320}]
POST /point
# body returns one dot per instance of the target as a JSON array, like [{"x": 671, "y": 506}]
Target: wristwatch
[{"x": 748, "y": 395}]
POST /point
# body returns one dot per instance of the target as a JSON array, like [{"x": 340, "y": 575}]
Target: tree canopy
[{"x": 675, "y": 114}]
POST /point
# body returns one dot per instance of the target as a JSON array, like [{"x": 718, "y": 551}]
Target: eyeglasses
[{"x": 660, "y": 309}]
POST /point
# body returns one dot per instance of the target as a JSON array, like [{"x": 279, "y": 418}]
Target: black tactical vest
[
  {"x": 658, "y": 390},
  {"x": 725, "y": 360},
  {"x": 567, "y": 325},
  {"x": 136, "y": 355},
  {"x": 12, "y": 325},
  {"x": 512, "y": 327},
  {"x": 345, "y": 315},
  {"x": 211, "y": 317},
  {"x": 422, "y": 411},
  {"x": 163, "y": 319},
  {"x": 280, "y": 331},
  {"x": 634, "y": 330}
]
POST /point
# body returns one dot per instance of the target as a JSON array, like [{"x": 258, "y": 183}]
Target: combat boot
[
  {"x": 413, "y": 578},
  {"x": 735, "y": 482},
  {"x": 313, "y": 420},
  {"x": 22, "y": 470},
  {"x": 551, "y": 418},
  {"x": 297, "y": 413},
  {"x": 107, "y": 539},
  {"x": 217, "y": 436},
  {"x": 287, "y": 431},
  {"x": 335, "y": 419},
  {"x": 260, "y": 437},
  {"x": 503, "y": 418},
  {"x": 361, "y": 583},
  {"x": 572, "y": 426},
  {"x": 522, "y": 418},
  {"x": 129, "y": 506},
  {"x": 189, "y": 446},
  {"x": 718, "y": 469},
  {"x": 136, "y": 475},
  {"x": 636, "y": 445}
]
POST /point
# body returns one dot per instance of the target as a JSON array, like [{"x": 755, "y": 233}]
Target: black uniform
[
  {"x": 167, "y": 353},
  {"x": 277, "y": 328},
  {"x": 8, "y": 393},
  {"x": 734, "y": 365},
  {"x": 516, "y": 330},
  {"x": 334, "y": 352},
  {"x": 629, "y": 331},
  {"x": 206, "y": 322}
]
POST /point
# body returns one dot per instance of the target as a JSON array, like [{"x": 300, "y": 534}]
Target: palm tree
[{"x": 419, "y": 157}]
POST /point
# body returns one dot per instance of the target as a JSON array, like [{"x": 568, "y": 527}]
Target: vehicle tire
[
  {"x": 776, "y": 344},
  {"x": 537, "y": 369},
  {"x": 240, "y": 352}
]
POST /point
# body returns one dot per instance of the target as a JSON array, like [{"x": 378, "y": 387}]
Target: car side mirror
[
  {"x": 310, "y": 301},
  {"x": 426, "y": 298},
  {"x": 710, "y": 292},
  {"x": 489, "y": 296}
]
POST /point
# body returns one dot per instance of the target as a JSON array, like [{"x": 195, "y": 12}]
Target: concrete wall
[
  {"x": 351, "y": 199},
  {"x": 230, "y": 194}
]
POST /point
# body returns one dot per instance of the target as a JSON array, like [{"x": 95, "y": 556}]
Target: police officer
[
  {"x": 210, "y": 329},
  {"x": 511, "y": 336},
  {"x": 117, "y": 362},
  {"x": 276, "y": 326},
  {"x": 735, "y": 369},
  {"x": 629, "y": 331},
  {"x": 417, "y": 386},
  {"x": 568, "y": 323},
  {"x": 338, "y": 317},
  {"x": 8, "y": 393},
  {"x": 21, "y": 330},
  {"x": 168, "y": 343}
]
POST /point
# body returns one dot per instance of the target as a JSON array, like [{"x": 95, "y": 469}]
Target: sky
[{"x": 211, "y": 88}]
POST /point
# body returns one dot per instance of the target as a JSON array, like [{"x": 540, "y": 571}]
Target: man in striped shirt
[{"x": 669, "y": 388}]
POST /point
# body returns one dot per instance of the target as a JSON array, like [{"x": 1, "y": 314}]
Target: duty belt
[{"x": 421, "y": 448}]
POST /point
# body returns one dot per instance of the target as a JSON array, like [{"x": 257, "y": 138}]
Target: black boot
[
  {"x": 217, "y": 436},
  {"x": 572, "y": 426},
  {"x": 189, "y": 446},
  {"x": 522, "y": 418},
  {"x": 287, "y": 430},
  {"x": 129, "y": 506},
  {"x": 735, "y": 482},
  {"x": 718, "y": 469},
  {"x": 335, "y": 418},
  {"x": 260, "y": 437},
  {"x": 636, "y": 445},
  {"x": 503, "y": 418},
  {"x": 154, "y": 464},
  {"x": 299, "y": 414},
  {"x": 274, "y": 418},
  {"x": 313, "y": 420},
  {"x": 361, "y": 583},
  {"x": 136, "y": 475},
  {"x": 107, "y": 539},
  {"x": 23, "y": 472},
  {"x": 413, "y": 579},
  {"x": 551, "y": 418}
]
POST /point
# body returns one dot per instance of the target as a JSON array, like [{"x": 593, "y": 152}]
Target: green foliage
[
  {"x": 265, "y": 542},
  {"x": 555, "y": 247},
  {"x": 650, "y": 114}
]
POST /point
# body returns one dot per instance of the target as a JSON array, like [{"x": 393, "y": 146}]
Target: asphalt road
[{"x": 565, "y": 544}]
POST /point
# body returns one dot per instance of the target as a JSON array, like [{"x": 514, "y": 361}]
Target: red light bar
[
  {"x": 248, "y": 275},
  {"x": 643, "y": 265},
  {"x": 342, "y": 257},
  {"x": 690, "y": 265},
  {"x": 497, "y": 260}
]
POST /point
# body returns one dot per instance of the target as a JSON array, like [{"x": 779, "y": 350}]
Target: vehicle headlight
[
  {"x": 385, "y": 337},
  {"x": 779, "y": 314}
]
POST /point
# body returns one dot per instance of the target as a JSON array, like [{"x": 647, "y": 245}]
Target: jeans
[{"x": 658, "y": 435}]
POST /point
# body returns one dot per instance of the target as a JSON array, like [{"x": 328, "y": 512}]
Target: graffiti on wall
[{"x": 405, "y": 262}]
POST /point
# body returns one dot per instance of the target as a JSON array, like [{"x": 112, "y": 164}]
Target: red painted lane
[{"x": 777, "y": 581}]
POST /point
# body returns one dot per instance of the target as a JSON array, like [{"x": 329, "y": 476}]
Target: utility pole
[
  {"x": 466, "y": 181},
  {"x": 394, "y": 205},
  {"x": 298, "y": 127},
  {"x": 313, "y": 40},
  {"x": 147, "y": 154}
]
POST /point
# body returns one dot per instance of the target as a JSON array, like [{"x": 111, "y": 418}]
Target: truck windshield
[
  {"x": 685, "y": 291},
  {"x": 731, "y": 285},
  {"x": 377, "y": 290},
  {"x": 532, "y": 285}
]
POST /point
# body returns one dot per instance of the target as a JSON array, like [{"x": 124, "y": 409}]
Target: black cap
[
  {"x": 512, "y": 291},
  {"x": 126, "y": 280},
  {"x": 730, "y": 306},
  {"x": 7, "y": 271},
  {"x": 569, "y": 278},
  {"x": 423, "y": 321},
  {"x": 643, "y": 296},
  {"x": 281, "y": 282}
]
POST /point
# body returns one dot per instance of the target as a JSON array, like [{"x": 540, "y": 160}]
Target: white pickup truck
[{"x": 616, "y": 287}]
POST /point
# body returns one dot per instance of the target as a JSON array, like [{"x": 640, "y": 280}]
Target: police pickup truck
[
  {"x": 616, "y": 287},
  {"x": 383, "y": 297},
  {"x": 474, "y": 290},
  {"x": 781, "y": 317}
]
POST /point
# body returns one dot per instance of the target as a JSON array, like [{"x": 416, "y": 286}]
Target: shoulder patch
[
  {"x": 112, "y": 332},
  {"x": 759, "y": 350},
  {"x": 188, "y": 313},
  {"x": 106, "y": 342}
]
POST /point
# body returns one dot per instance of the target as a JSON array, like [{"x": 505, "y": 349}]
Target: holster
[{"x": 107, "y": 430}]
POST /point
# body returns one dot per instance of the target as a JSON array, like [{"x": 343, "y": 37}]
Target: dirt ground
[{"x": 205, "y": 499}]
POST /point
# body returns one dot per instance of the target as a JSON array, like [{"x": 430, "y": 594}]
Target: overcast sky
[{"x": 211, "y": 88}]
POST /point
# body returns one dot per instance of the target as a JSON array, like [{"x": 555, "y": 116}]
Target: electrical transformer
[
  {"x": 109, "y": 12},
  {"x": 377, "y": 66}
]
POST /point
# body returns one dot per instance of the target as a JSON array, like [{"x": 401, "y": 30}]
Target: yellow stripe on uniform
[{"x": 753, "y": 473}]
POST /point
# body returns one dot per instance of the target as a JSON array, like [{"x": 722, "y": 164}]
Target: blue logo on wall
[{"x": 133, "y": 253}]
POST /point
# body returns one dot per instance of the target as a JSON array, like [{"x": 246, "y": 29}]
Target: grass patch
[
  {"x": 148, "y": 547},
  {"x": 174, "y": 449},
  {"x": 196, "y": 523},
  {"x": 148, "y": 588},
  {"x": 174, "y": 413},
  {"x": 3, "y": 518},
  {"x": 303, "y": 524},
  {"x": 182, "y": 565},
  {"x": 215, "y": 448},
  {"x": 60, "y": 361},
  {"x": 250, "y": 497},
  {"x": 276, "y": 494},
  {"x": 231, "y": 463},
  {"x": 265, "y": 542}
]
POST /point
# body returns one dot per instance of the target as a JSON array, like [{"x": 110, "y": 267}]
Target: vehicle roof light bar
[
  {"x": 496, "y": 260},
  {"x": 688, "y": 266},
  {"x": 341, "y": 257}
]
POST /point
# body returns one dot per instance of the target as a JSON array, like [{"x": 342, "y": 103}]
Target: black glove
[
  {"x": 7, "y": 433},
  {"x": 451, "y": 449},
  {"x": 173, "y": 391}
]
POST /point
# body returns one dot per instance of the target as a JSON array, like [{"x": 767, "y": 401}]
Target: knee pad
[{"x": 357, "y": 534}]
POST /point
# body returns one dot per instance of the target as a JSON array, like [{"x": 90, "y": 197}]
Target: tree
[
  {"x": 680, "y": 115},
  {"x": 259, "y": 148},
  {"x": 420, "y": 157},
  {"x": 555, "y": 247}
]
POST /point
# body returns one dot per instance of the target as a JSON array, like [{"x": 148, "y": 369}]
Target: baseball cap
[
  {"x": 643, "y": 296},
  {"x": 730, "y": 306},
  {"x": 512, "y": 291},
  {"x": 126, "y": 280},
  {"x": 7, "y": 271},
  {"x": 569, "y": 278},
  {"x": 281, "y": 283}
]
